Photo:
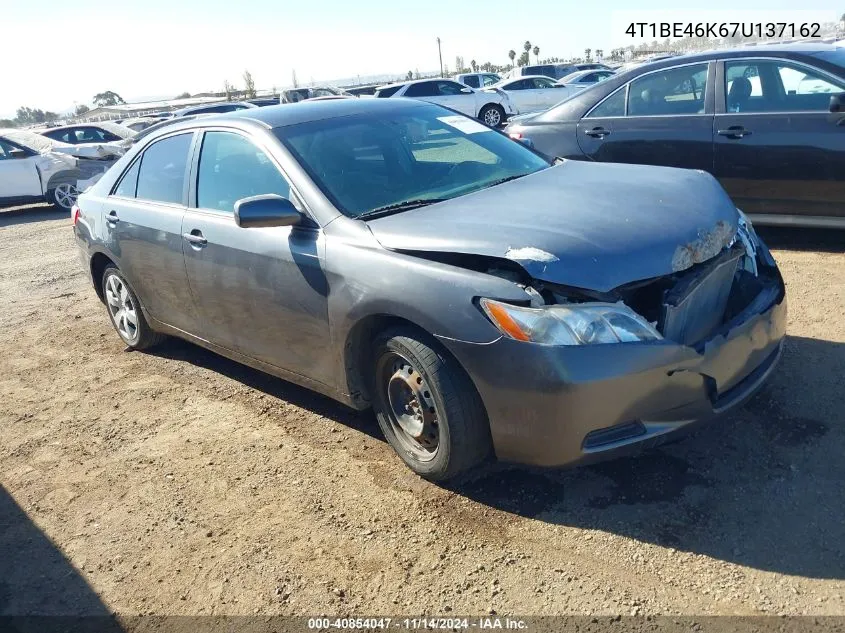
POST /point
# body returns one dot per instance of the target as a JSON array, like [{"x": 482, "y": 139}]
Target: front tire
[
  {"x": 492, "y": 115},
  {"x": 427, "y": 407},
  {"x": 125, "y": 313},
  {"x": 63, "y": 196}
]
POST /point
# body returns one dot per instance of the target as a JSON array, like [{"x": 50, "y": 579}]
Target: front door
[
  {"x": 18, "y": 174},
  {"x": 261, "y": 292},
  {"x": 143, "y": 221},
  {"x": 779, "y": 151},
  {"x": 665, "y": 118}
]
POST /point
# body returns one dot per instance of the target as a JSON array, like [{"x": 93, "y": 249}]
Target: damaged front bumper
[{"x": 567, "y": 405}]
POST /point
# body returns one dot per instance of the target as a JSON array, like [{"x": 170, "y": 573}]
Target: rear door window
[
  {"x": 162, "y": 172},
  {"x": 761, "y": 86},
  {"x": 423, "y": 89},
  {"x": 472, "y": 81},
  {"x": 674, "y": 91}
]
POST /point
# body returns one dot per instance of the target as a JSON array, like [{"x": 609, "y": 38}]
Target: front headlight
[
  {"x": 575, "y": 324},
  {"x": 746, "y": 234}
]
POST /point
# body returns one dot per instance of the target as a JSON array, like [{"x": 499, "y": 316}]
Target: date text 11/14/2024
[
  {"x": 419, "y": 624},
  {"x": 662, "y": 30}
]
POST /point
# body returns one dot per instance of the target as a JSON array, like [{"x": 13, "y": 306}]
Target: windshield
[
  {"x": 116, "y": 129},
  {"x": 31, "y": 140},
  {"x": 369, "y": 162}
]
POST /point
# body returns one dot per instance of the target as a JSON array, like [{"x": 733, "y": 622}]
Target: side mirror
[
  {"x": 527, "y": 142},
  {"x": 18, "y": 153},
  {"x": 837, "y": 102},
  {"x": 466, "y": 91},
  {"x": 265, "y": 211}
]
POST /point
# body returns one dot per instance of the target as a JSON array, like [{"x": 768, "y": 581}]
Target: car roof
[
  {"x": 745, "y": 51},
  {"x": 301, "y": 112},
  {"x": 419, "y": 81},
  {"x": 528, "y": 77}
]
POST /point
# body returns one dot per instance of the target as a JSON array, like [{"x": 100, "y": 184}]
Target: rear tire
[
  {"x": 426, "y": 406},
  {"x": 63, "y": 196},
  {"x": 125, "y": 312},
  {"x": 492, "y": 115}
]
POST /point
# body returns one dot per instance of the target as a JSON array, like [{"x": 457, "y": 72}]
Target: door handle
[
  {"x": 597, "y": 132},
  {"x": 735, "y": 131},
  {"x": 195, "y": 238},
  {"x": 112, "y": 217}
]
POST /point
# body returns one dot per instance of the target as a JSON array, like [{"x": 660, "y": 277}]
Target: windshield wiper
[
  {"x": 501, "y": 181},
  {"x": 398, "y": 207}
]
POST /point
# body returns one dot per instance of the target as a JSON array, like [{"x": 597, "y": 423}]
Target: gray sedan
[{"x": 483, "y": 301}]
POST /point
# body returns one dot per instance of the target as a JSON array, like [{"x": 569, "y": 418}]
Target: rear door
[
  {"x": 779, "y": 151},
  {"x": 18, "y": 174},
  {"x": 261, "y": 291},
  {"x": 545, "y": 94},
  {"x": 143, "y": 222},
  {"x": 521, "y": 95},
  {"x": 664, "y": 117}
]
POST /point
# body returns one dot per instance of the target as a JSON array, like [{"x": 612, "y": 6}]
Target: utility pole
[{"x": 440, "y": 54}]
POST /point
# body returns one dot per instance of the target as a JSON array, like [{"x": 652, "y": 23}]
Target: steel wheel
[
  {"x": 65, "y": 195},
  {"x": 122, "y": 309},
  {"x": 411, "y": 411},
  {"x": 492, "y": 117}
]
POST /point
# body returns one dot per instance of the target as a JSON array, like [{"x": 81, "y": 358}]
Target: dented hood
[{"x": 589, "y": 225}]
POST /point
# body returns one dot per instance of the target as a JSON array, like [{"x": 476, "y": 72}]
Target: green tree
[
  {"x": 523, "y": 59},
  {"x": 29, "y": 116},
  {"x": 512, "y": 55},
  {"x": 7, "y": 123},
  {"x": 107, "y": 98},
  {"x": 599, "y": 53},
  {"x": 249, "y": 85},
  {"x": 587, "y": 53},
  {"x": 474, "y": 65},
  {"x": 228, "y": 89},
  {"x": 410, "y": 75},
  {"x": 537, "y": 54},
  {"x": 81, "y": 109},
  {"x": 183, "y": 95},
  {"x": 527, "y": 46}
]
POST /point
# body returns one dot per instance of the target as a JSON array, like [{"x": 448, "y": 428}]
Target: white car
[
  {"x": 531, "y": 94},
  {"x": 488, "y": 105},
  {"x": 29, "y": 173},
  {"x": 577, "y": 81},
  {"x": 102, "y": 133}
]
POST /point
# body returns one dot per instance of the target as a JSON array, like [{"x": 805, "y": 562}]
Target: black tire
[
  {"x": 458, "y": 416},
  {"x": 491, "y": 111},
  {"x": 63, "y": 196},
  {"x": 143, "y": 336}
]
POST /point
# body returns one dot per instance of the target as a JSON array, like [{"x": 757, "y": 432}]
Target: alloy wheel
[
  {"x": 65, "y": 195},
  {"x": 122, "y": 309}
]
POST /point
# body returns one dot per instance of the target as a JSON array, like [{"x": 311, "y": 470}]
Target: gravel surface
[{"x": 178, "y": 482}]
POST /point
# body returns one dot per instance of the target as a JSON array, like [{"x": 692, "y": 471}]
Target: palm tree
[
  {"x": 473, "y": 65},
  {"x": 527, "y": 46},
  {"x": 537, "y": 54},
  {"x": 587, "y": 52},
  {"x": 512, "y": 55},
  {"x": 599, "y": 54}
]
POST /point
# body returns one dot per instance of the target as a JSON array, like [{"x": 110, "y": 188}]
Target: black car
[{"x": 767, "y": 121}]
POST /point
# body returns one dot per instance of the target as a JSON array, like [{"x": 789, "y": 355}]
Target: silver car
[{"x": 484, "y": 301}]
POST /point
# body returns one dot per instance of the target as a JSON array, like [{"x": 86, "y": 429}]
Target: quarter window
[
  {"x": 232, "y": 168},
  {"x": 771, "y": 86},
  {"x": 128, "y": 185},
  {"x": 671, "y": 91},
  {"x": 162, "y": 173}
]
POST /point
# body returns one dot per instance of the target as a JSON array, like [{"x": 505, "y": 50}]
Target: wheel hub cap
[{"x": 412, "y": 405}]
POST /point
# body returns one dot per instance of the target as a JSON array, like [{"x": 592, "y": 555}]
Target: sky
[{"x": 66, "y": 52}]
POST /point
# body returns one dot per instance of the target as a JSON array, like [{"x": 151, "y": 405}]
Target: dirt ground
[{"x": 178, "y": 482}]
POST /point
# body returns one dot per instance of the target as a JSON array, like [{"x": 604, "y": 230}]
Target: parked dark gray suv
[{"x": 391, "y": 253}]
